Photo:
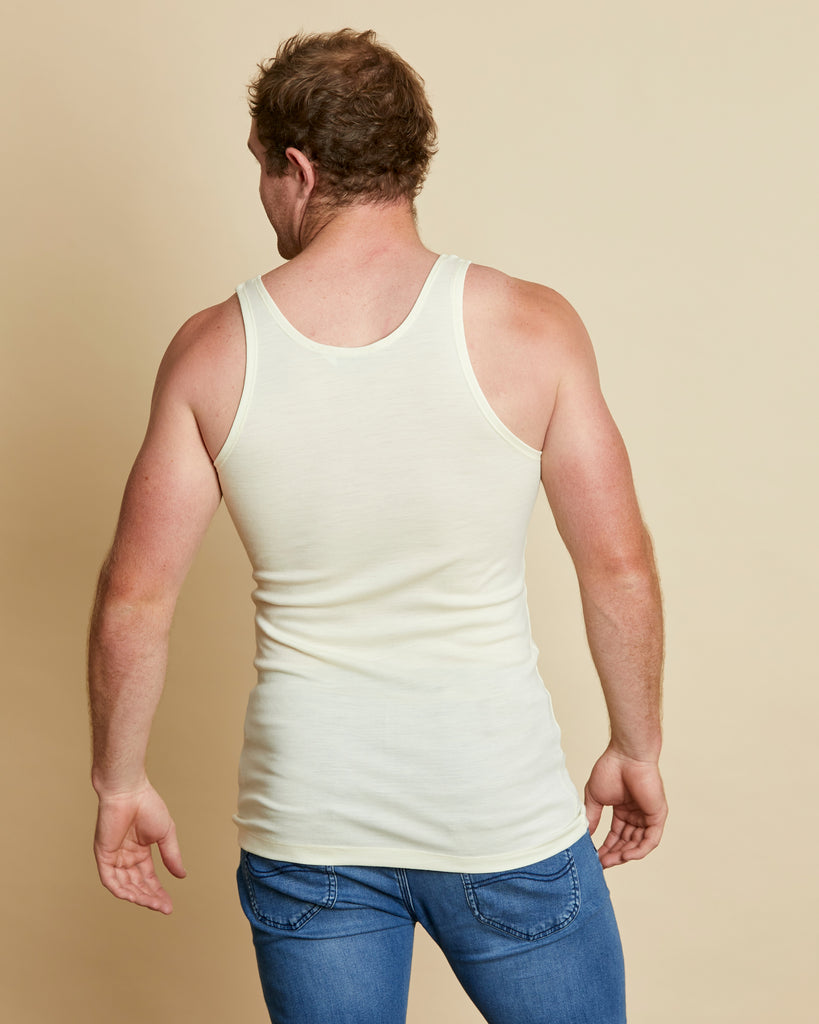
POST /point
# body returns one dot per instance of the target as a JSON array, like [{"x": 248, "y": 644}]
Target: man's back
[
  {"x": 384, "y": 508},
  {"x": 522, "y": 338},
  {"x": 343, "y": 135}
]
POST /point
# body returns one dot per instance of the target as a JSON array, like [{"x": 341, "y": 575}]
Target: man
[{"x": 378, "y": 419}]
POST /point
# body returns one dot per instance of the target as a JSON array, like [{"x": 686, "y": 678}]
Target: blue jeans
[{"x": 536, "y": 945}]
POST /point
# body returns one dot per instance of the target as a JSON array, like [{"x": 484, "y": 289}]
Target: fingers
[
  {"x": 171, "y": 854},
  {"x": 634, "y": 791},
  {"x": 621, "y": 853},
  {"x": 135, "y": 882},
  {"x": 593, "y": 811},
  {"x": 626, "y": 842},
  {"x": 127, "y": 828}
]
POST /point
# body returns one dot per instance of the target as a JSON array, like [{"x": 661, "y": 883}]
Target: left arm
[{"x": 587, "y": 478}]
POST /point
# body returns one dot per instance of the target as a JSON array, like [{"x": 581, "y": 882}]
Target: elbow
[
  {"x": 119, "y": 623},
  {"x": 630, "y": 567},
  {"x": 125, "y": 605}
]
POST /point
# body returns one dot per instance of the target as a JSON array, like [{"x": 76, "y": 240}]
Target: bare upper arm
[
  {"x": 512, "y": 335},
  {"x": 173, "y": 490},
  {"x": 535, "y": 363},
  {"x": 585, "y": 467}
]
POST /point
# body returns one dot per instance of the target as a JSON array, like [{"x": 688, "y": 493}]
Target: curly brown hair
[{"x": 353, "y": 107}]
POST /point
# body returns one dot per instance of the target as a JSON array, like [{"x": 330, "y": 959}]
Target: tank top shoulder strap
[
  {"x": 443, "y": 287},
  {"x": 249, "y": 309},
  {"x": 258, "y": 309}
]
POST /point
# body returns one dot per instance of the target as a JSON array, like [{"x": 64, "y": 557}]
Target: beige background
[{"x": 657, "y": 163}]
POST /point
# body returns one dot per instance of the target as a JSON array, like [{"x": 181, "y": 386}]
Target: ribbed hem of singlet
[{"x": 398, "y": 857}]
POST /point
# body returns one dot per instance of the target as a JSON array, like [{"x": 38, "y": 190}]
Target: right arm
[{"x": 171, "y": 496}]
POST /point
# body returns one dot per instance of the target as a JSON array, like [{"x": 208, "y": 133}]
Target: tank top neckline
[{"x": 352, "y": 351}]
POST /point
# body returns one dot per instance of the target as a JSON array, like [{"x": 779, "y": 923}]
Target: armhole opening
[
  {"x": 251, "y": 345},
  {"x": 481, "y": 400}
]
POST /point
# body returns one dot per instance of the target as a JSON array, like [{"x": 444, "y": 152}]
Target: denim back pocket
[
  {"x": 284, "y": 895},
  {"x": 530, "y": 902}
]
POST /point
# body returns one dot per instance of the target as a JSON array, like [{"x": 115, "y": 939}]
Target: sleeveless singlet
[{"x": 399, "y": 719}]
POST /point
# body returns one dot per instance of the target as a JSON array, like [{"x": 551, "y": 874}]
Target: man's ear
[{"x": 302, "y": 167}]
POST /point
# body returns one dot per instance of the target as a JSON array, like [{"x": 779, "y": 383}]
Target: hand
[
  {"x": 127, "y": 826},
  {"x": 634, "y": 791}
]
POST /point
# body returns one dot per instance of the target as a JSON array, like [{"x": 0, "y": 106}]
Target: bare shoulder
[
  {"x": 205, "y": 338},
  {"x": 535, "y": 317},
  {"x": 524, "y": 340},
  {"x": 203, "y": 368}
]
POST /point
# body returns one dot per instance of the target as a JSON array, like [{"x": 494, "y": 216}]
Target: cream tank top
[{"x": 399, "y": 719}]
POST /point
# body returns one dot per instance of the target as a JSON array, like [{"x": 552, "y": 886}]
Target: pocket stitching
[
  {"x": 313, "y": 908},
  {"x": 471, "y": 887}
]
